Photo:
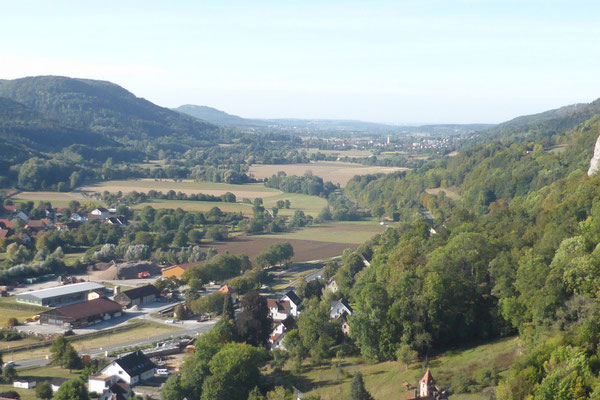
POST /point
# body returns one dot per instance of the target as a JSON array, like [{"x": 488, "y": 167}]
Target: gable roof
[
  {"x": 6, "y": 223},
  {"x": 10, "y": 208},
  {"x": 281, "y": 305},
  {"x": 142, "y": 291},
  {"x": 135, "y": 363},
  {"x": 293, "y": 297},
  {"x": 226, "y": 289},
  {"x": 86, "y": 309},
  {"x": 3, "y": 233},
  {"x": 101, "y": 209},
  {"x": 344, "y": 303}
]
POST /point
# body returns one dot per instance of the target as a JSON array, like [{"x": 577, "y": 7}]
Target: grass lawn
[
  {"x": 10, "y": 308},
  {"x": 251, "y": 190},
  {"x": 44, "y": 373},
  {"x": 385, "y": 380},
  {"x": 26, "y": 394},
  {"x": 334, "y": 233}
]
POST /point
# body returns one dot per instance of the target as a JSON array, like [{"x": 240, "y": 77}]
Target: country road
[{"x": 100, "y": 351}]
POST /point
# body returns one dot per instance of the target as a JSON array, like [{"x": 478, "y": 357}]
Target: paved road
[{"x": 199, "y": 328}]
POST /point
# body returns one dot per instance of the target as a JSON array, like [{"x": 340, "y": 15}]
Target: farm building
[
  {"x": 24, "y": 383},
  {"x": 137, "y": 296},
  {"x": 177, "y": 271},
  {"x": 60, "y": 295},
  {"x": 82, "y": 313}
]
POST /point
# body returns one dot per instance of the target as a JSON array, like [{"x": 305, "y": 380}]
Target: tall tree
[
  {"x": 357, "y": 389},
  {"x": 254, "y": 322}
]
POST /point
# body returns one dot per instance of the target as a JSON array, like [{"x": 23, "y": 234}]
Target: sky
[{"x": 401, "y": 62}]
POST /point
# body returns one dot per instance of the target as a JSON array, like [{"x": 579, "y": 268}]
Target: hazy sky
[{"x": 388, "y": 61}]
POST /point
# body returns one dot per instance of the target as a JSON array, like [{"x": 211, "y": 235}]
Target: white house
[
  {"x": 99, "y": 383},
  {"x": 338, "y": 307},
  {"x": 132, "y": 369},
  {"x": 24, "y": 383},
  {"x": 77, "y": 217},
  {"x": 100, "y": 213},
  {"x": 332, "y": 285},
  {"x": 295, "y": 303},
  {"x": 279, "y": 309}
]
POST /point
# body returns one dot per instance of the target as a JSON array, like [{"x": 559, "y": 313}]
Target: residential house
[
  {"x": 279, "y": 309},
  {"x": 10, "y": 209},
  {"x": 338, "y": 307},
  {"x": 114, "y": 221},
  {"x": 278, "y": 333},
  {"x": 100, "y": 213},
  {"x": 5, "y": 223},
  {"x": 132, "y": 368},
  {"x": 295, "y": 303},
  {"x": 37, "y": 225},
  {"x": 137, "y": 296},
  {"x": 332, "y": 285}
]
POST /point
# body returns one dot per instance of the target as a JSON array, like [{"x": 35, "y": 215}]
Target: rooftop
[
  {"x": 87, "y": 308},
  {"x": 63, "y": 290},
  {"x": 142, "y": 291},
  {"x": 135, "y": 363}
]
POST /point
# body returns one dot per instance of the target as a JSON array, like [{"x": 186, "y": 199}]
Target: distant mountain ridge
[
  {"x": 306, "y": 126},
  {"x": 544, "y": 124}
]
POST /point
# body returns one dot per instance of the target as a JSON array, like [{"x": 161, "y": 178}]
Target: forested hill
[
  {"x": 104, "y": 108},
  {"x": 25, "y": 128},
  {"x": 543, "y": 126}
]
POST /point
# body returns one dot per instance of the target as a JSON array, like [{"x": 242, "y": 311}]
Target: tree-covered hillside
[
  {"x": 102, "y": 107},
  {"x": 515, "y": 250}
]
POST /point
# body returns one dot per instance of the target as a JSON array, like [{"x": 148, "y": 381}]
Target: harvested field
[
  {"x": 249, "y": 191},
  {"x": 336, "y": 172},
  {"x": 305, "y": 250}
]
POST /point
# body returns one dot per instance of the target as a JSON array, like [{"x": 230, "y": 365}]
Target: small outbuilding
[{"x": 137, "y": 296}]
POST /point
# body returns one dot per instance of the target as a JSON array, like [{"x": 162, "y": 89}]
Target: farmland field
[
  {"x": 249, "y": 191},
  {"x": 305, "y": 250},
  {"x": 58, "y": 199},
  {"x": 354, "y": 233},
  {"x": 336, "y": 172},
  {"x": 311, "y": 205}
]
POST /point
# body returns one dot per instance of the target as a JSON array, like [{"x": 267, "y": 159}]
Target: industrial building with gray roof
[{"x": 60, "y": 295}]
